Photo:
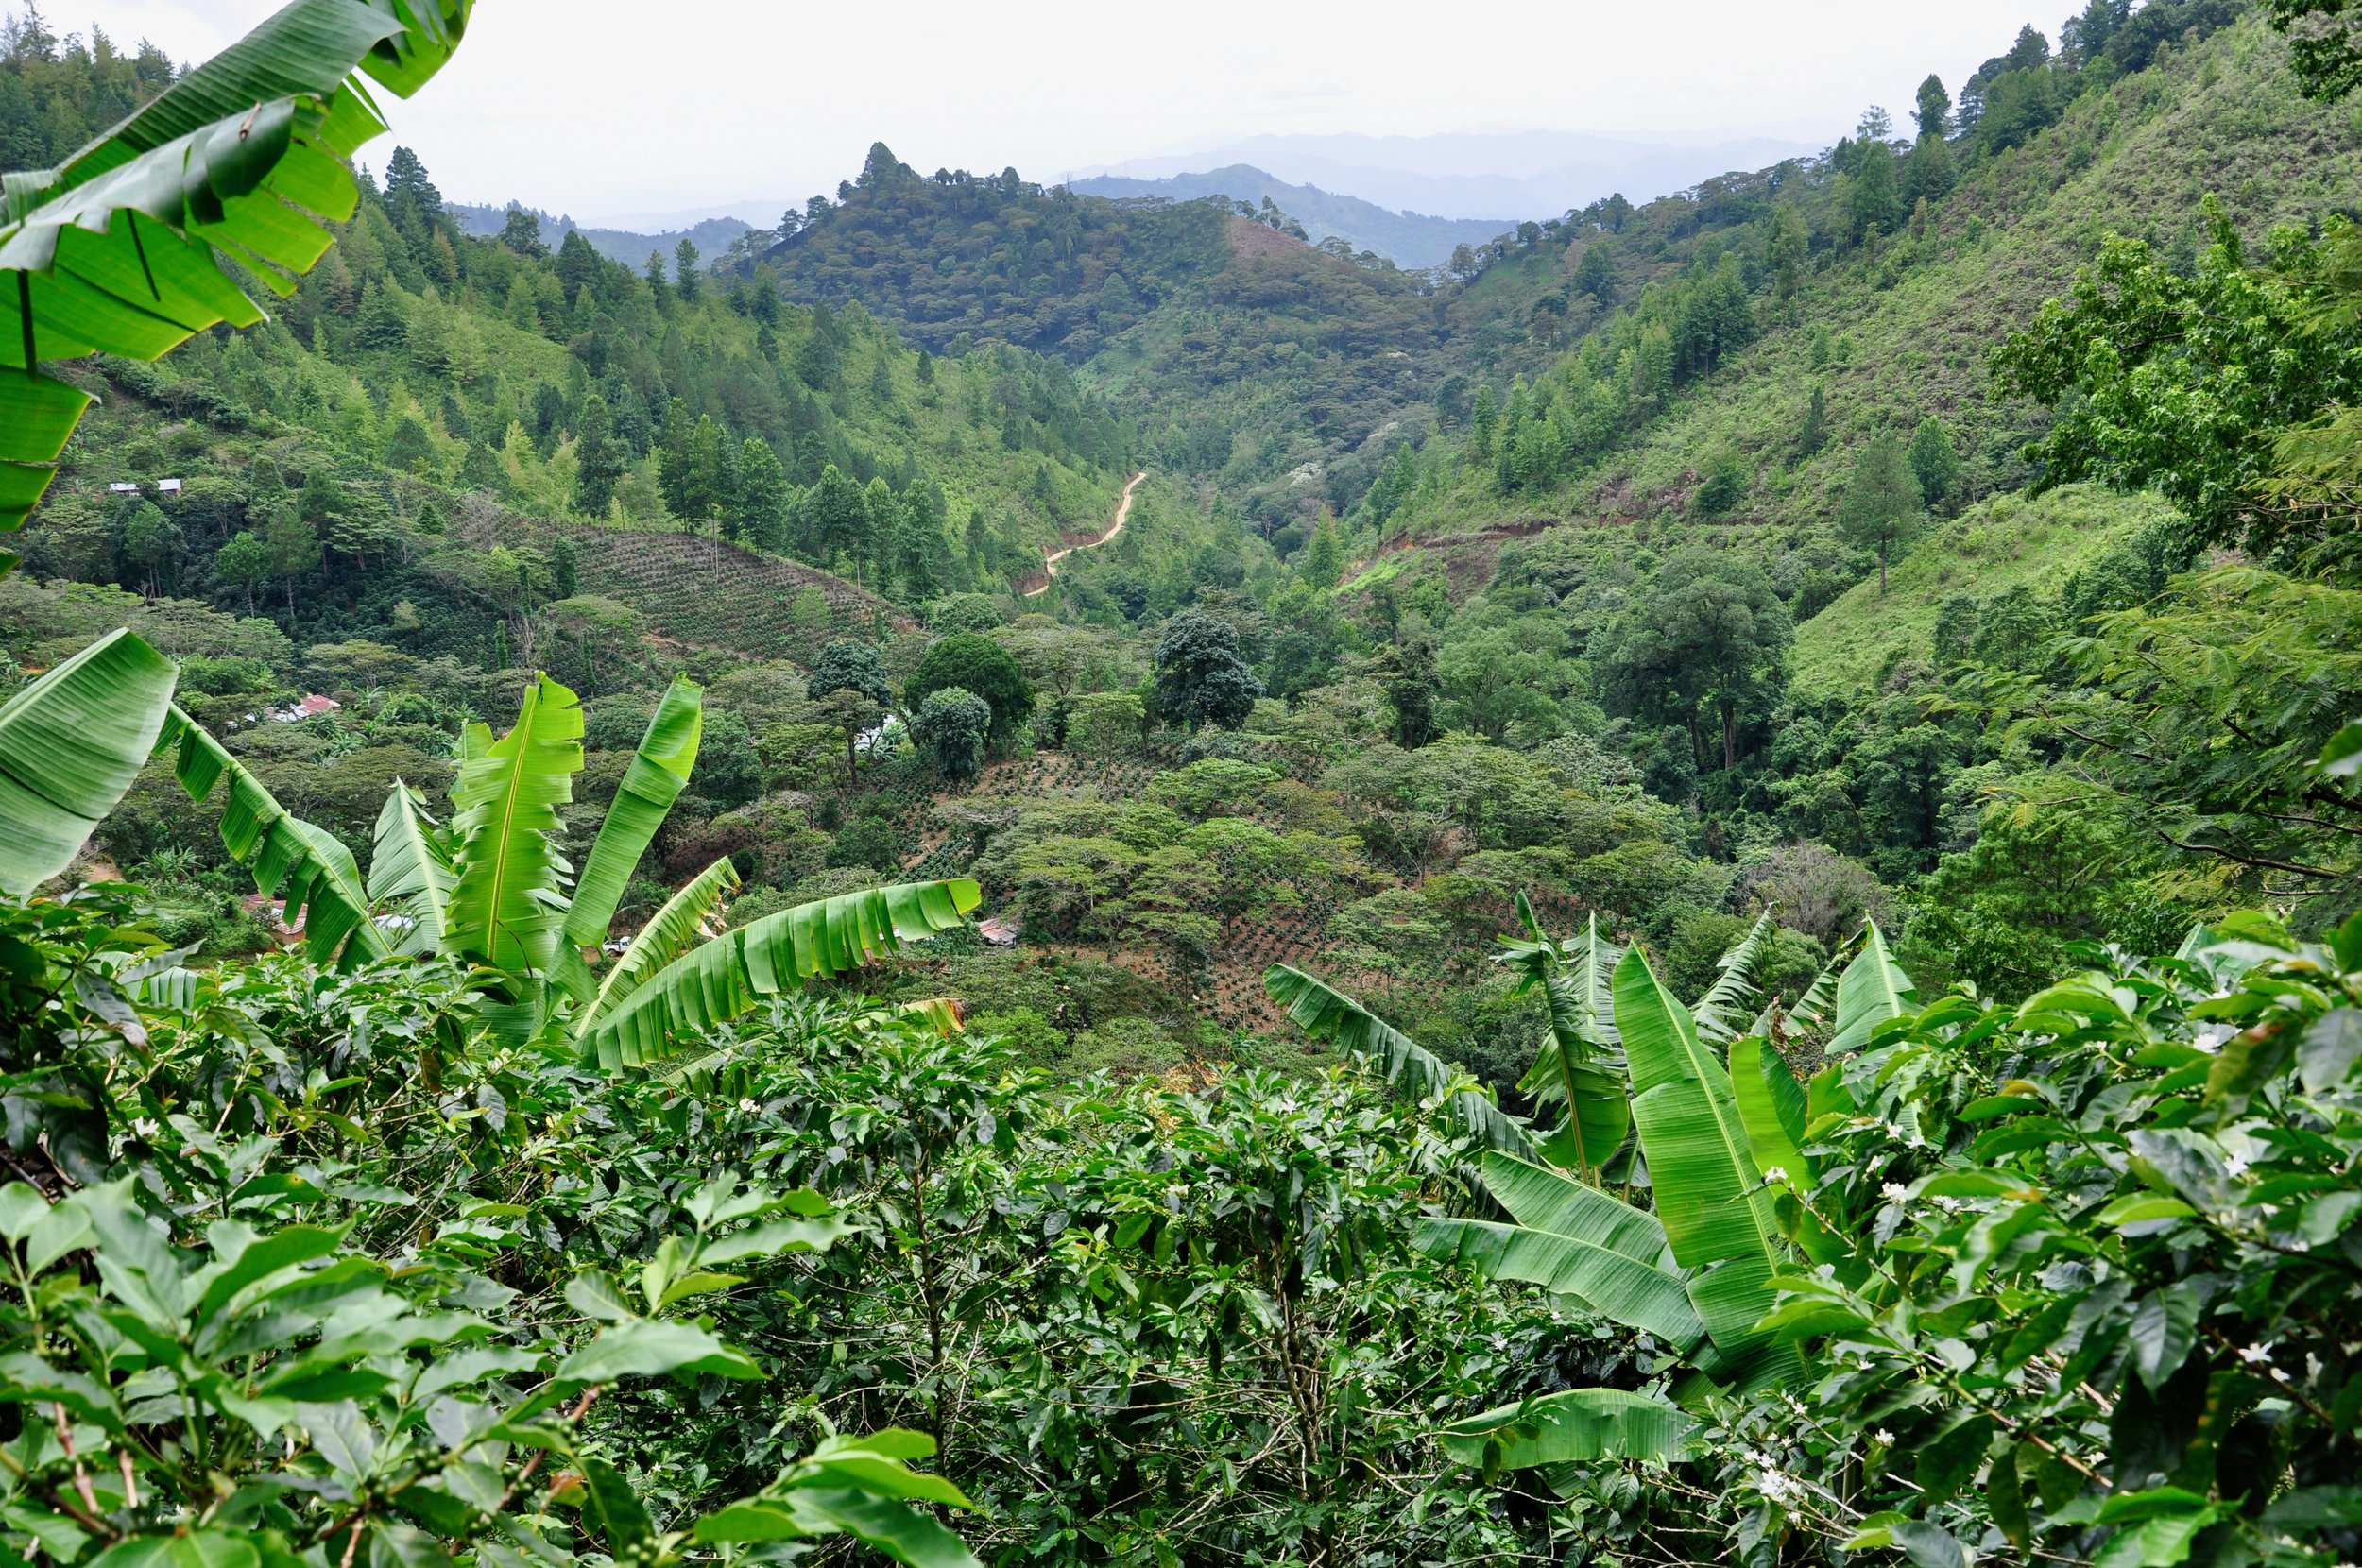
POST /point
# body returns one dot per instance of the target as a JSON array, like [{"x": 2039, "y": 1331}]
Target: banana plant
[
  {"x": 119, "y": 248},
  {"x": 1579, "y": 1067},
  {"x": 70, "y": 745},
  {"x": 1724, "y": 1148}
]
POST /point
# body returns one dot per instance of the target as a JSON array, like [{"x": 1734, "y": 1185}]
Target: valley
[{"x": 1179, "y": 869}]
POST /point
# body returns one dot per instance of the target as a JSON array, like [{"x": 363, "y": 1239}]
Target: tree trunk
[
  {"x": 1730, "y": 737},
  {"x": 1883, "y": 540}
]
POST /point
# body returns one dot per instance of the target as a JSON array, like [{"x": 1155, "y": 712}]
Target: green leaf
[
  {"x": 1578, "y": 1425},
  {"x": 1415, "y": 1073},
  {"x": 724, "y": 976},
  {"x": 507, "y": 899},
  {"x": 659, "y": 770},
  {"x": 2162, "y": 1333},
  {"x": 1703, "y": 1169},
  {"x": 2135, "y": 1208},
  {"x": 1575, "y": 1240},
  {"x": 287, "y": 856},
  {"x": 70, "y": 745},
  {"x": 2330, "y": 1044},
  {"x": 1577, "y": 1065},
  {"x": 1717, "y": 1014},
  {"x": 1873, "y": 990},
  {"x": 777, "y": 1238},
  {"x": 669, "y": 933},
  {"x": 1770, "y": 1106},
  {"x": 609, "y": 1502},
  {"x": 410, "y": 871},
  {"x": 196, "y": 1549},
  {"x": 895, "y": 1528},
  {"x": 644, "y": 1348}
]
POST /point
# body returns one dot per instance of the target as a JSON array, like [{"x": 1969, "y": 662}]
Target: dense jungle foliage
[{"x": 1013, "y": 877}]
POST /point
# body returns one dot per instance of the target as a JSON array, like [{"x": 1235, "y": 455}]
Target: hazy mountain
[
  {"x": 1408, "y": 239},
  {"x": 712, "y": 236},
  {"x": 1534, "y": 173}
]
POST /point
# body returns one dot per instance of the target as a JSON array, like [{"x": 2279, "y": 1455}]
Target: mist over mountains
[
  {"x": 1408, "y": 239},
  {"x": 1472, "y": 175}
]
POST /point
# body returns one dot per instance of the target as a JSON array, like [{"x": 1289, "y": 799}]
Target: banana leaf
[
  {"x": 70, "y": 745},
  {"x": 1575, "y": 1425},
  {"x": 508, "y": 898},
  {"x": 1770, "y": 1106},
  {"x": 1413, "y": 1071},
  {"x": 670, "y": 932},
  {"x": 1573, "y": 1239},
  {"x": 1720, "y": 1226},
  {"x": 1718, "y": 1012},
  {"x": 727, "y": 976},
  {"x": 114, "y": 251},
  {"x": 410, "y": 873},
  {"x": 309, "y": 866},
  {"x": 1874, "y": 989},
  {"x": 659, "y": 770},
  {"x": 1577, "y": 1063}
]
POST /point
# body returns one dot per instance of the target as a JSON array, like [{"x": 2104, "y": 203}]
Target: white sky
[{"x": 599, "y": 108}]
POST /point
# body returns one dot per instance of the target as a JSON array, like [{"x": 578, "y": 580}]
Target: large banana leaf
[
  {"x": 1576, "y": 1426},
  {"x": 70, "y": 745},
  {"x": 288, "y": 856},
  {"x": 508, "y": 898},
  {"x": 1770, "y": 1106},
  {"x": 410, "y": 873},
  {"x": 667, "y": 935},
  {"x": 1413, "y": 1071},
  {"x": 1872, "y": 990},
  {"x": 114, "y": 251},
  {"x": 1576, "y": 1240},
  {"x": 727, "y": 976},
  {"x": 1719, "y": 1010},
  {"x": 1720, "y": 1225},
  {"x": 658, "y": 772},
  {"x": 1577, "y": 1064}
]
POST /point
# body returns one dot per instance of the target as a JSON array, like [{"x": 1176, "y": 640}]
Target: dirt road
[{"x": 1124, "y": 509}]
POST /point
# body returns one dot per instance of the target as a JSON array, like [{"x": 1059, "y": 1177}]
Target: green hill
[{"x": 2001, "y": 547}]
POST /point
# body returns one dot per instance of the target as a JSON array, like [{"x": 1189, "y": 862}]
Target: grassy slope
[
  {"x": 2003, "y": 543},
  {"x": 2138, "y": 158}
]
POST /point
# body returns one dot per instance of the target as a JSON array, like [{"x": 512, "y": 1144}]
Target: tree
[
  {"x": 522, "y": 233},
  {"x": 953, "y": 723},
  {"x": 565, "y": 569},
  {"x": 1407, "y": 672},
  {"x": 245, "y": 560},
  {"x": 757, "y": 506},
  {"x": 1815, "y": 431},
  {"x": 152, "y": 542},
  {"x": 1325, "y": 558},
  {"x": 1882, "y": 499},
  {"x": 600, "y": 460},
  {"x": 1873, "y": 205},
  {"x": 2324, "y": 46},
  {"x": 880, "y": 532},
  {"x": 1934, "y": 463},
  {"x": 295, "y": 549},
  {"x": 850, "y": 679},
  {"x": 834, "y": 513},
  {"x": 685, "y": 269},
  {"x": 1595, "y": 275},
  {"x": 1707, "y": 639},
  {"x": 711, "y": 460},
  {"x": 1201, "y": 678},
  {"x": 1934, "y": 109},
  {"x": 975, "y": 663},
  {"x": 675, "y": 469},
  {"x": 1927, "y": 172}
]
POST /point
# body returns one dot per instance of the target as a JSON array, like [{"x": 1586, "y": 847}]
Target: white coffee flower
[
  {"x": 1895, "y": 1192},
  {"x": 1776, "y": 1175},
  {"x": 146, "y": 1127},
  {"x": 2256, "y": 1355},
  {"x": 748, "y": 1106}
]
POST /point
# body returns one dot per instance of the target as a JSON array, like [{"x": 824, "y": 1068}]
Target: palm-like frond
[
  {"x": 289, "y": 856},
  {"x": 1575, "y": 1425},
  {"x": 410, "y": 873},
  {"x": 1577, "y": 1064},
  {"x": 659, "y": 770},
  {"x": 1811, "y": 1010},
  {"x": 70, "y": 745},
  {"x": 1718, "y": 1012},
  {"x": 1720, "y": 1225},
  {"x": 1410, "y": 1068},
  {"x": 113, "y": 251},
  {"x": 667, "y": 935},
  {"x": 1576, "y": 1240},
  {"x": 724, "y": 976},
  {"x": 1874, "y": 989},
  {"x": 507, "y": 900}
]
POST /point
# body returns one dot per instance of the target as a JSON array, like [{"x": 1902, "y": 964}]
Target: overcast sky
[{"x": 599, "y": 108}]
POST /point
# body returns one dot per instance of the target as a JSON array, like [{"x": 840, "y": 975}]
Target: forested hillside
[{"x": 1011, "y": 876}]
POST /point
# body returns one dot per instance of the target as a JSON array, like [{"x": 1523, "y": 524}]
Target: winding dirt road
[{"x": 1123, "y": 510}]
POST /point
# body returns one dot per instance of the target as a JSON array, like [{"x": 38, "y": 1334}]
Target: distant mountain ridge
[
  {"x": 712, "y": 237},
  {"x": 1473, "y": 175},
  {"x": 1409, "y": 239}
]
